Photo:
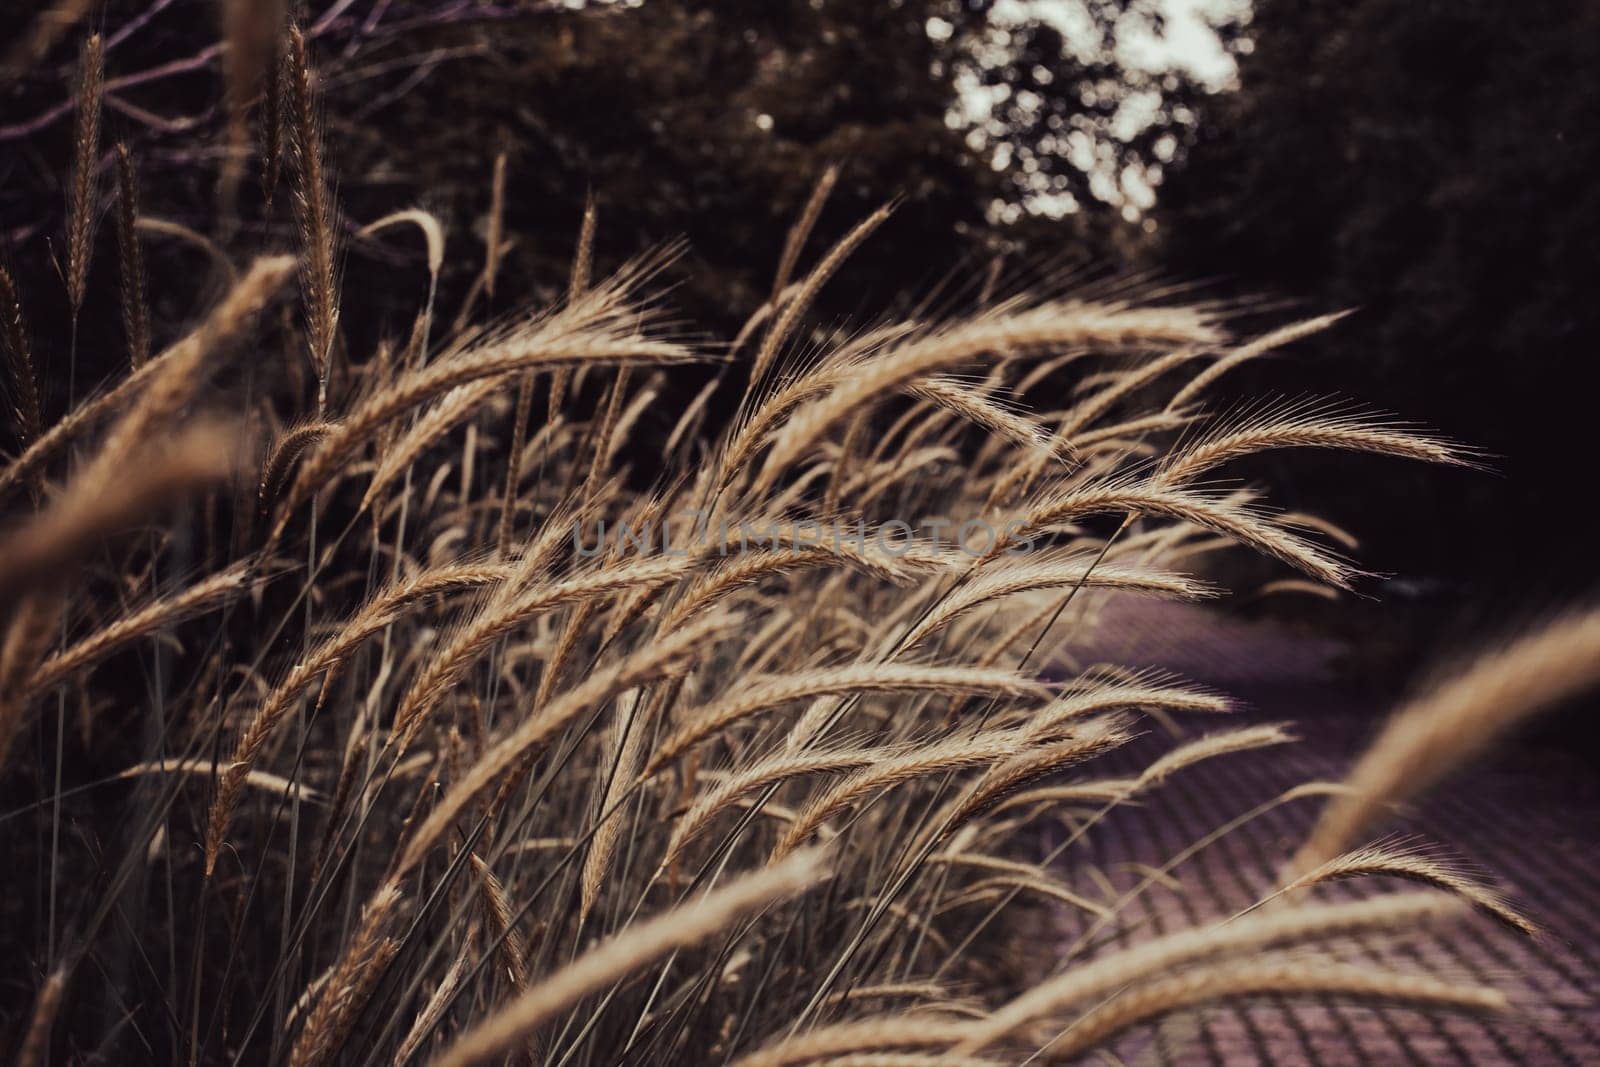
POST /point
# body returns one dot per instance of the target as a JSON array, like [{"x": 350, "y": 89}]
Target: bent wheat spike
[{"x": 765, "y": 693}]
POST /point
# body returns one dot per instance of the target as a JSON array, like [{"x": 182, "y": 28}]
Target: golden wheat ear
[
  {"x": 1414, "y": 865},
  {"x": 1454, "y": 723},
  {"x": 1271, "y": 930},
  {"x": 315, "y": 213},
  {"x": 1277, "y": 977},
  {"x": 82, "y": 188}
]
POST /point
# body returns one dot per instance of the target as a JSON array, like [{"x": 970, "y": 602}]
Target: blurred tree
[
  {"x": 1016, "y": 128},
  {"x": 1432, "y": 163},
  {"x": 1001, "y": 126}
]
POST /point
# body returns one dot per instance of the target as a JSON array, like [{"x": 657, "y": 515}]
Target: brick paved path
[{"x": 1528, "y": 820}]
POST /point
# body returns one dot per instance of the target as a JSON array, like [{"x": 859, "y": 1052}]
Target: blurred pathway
[{"x": 1527, "y": 820}]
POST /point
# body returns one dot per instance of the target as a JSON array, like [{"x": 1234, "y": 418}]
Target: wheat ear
[
  {"x": 203, "y": 596},
  {"x": 1295, "y": 430},
  {"x": 1287, "y": 978},
  {"x": 1414, "y": 866},
  {"x": 1216, "y": 942},
  {"x": 135, "y": 309},
  {"x": 314, "y": 210},
  {"x": 795, "y": 240},
  {"x": 953, "y": 754},
  {"x": 1438, "y": 732},
  {"x": 790, "y": 313},
  {"x": 81, "y": 189},
  {"x": 349, "y": 983},
  {"x": 761, "y": 694}
]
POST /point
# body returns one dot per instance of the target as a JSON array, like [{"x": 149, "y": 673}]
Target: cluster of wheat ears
[{"x": 430, "y": 785}]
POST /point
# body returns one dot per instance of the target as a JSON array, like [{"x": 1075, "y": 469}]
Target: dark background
[{"x": 1429, "y": 163}]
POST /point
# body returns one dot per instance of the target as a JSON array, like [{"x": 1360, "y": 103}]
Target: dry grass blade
[
  {"x": 752, "y": 430},
  {"x": 758, "y": 775},
  {"x": 1445, "y": 728},
  {"x": 176, "y": 374},
  {"x": 499, "y": 618},
  {"x": 380, "y": 611},
  {"x": 454, "y": 408},
  {"x": 200, "y": 242},
  {"x": 574, "y": 337},
  {"x": 629, "y": 754},
  {"x": 429, "y": 226},
  {"x": 1008, "y": 885},
  {"x": 789, "y": 314},
  {"x": 578, "y": 286},
  {"x": 662, "y": 658},
  {"x": 1223, "y": 743},
  {"x": 494, "y": 235},
  {"x": 1088, "y": 739},
  {"x": 1244, "y": 353},
  {"x": 203, "y": 768},
  {"x": 997, "y": 418},
  {"x": 954, "y": 754},
  {"x": 428, "y": 1017},
  {"x": 160, "y": 386},
  {"x": 1010, "y": 577},
  {"x": 994, "y": 335},
  {"x": 795, "y": 241},
  {"x": 636, "y": 946}
]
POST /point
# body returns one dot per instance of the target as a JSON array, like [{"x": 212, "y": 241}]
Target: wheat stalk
[{"x": 635, "y": 947}]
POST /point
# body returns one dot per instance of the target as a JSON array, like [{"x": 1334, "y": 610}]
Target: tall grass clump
[{"x": 355, "y": 707}]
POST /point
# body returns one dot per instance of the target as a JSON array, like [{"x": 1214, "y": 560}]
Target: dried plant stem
[{"x": 638, "y": 946}]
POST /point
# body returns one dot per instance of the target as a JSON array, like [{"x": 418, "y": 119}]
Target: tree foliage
[{"x": 1431, "y": 163}]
